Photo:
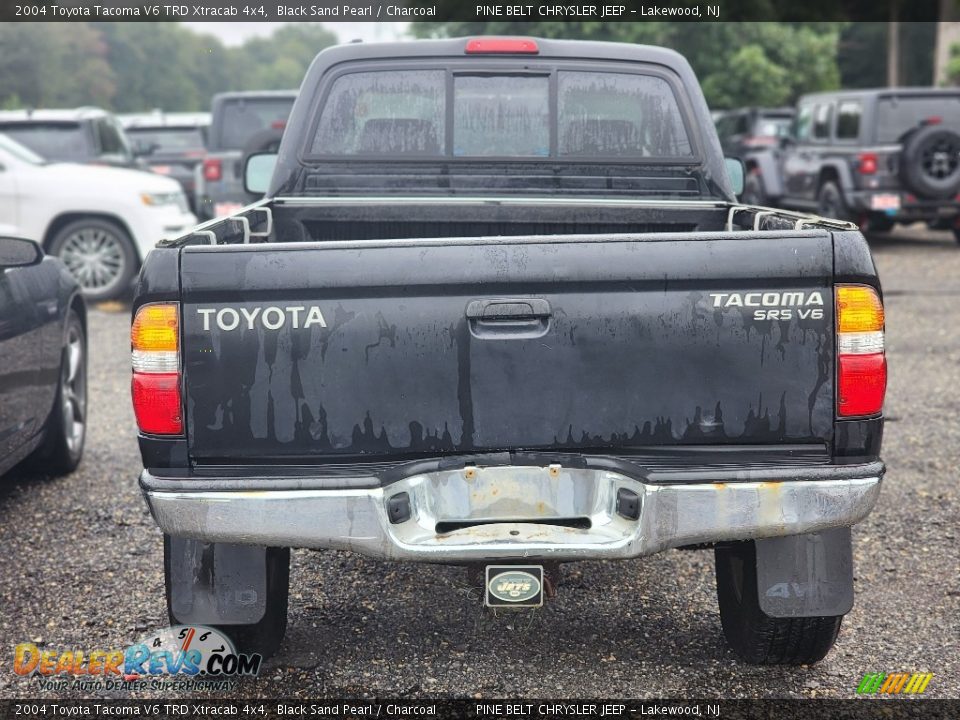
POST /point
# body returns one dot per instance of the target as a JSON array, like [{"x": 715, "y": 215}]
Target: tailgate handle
[
  {"x": 508, "y": 318},
  {"x": 505, "y": 310}
]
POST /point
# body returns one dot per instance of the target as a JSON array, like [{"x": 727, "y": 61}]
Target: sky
[{"x": 235, "y": 33}]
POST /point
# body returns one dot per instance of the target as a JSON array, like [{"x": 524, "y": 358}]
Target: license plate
[
  {"x": 161, "y": 169},
  {"x": 886, "y": 201},
  {"x": 224, "y": 209},
  {"x": 514, "y": 586}
]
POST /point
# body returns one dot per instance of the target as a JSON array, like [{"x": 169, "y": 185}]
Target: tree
[
  {"x": 136, "y": 67},
  {"x": 948, "y": 34},
  {"x": 164, "y": 65},
  {"x": 738, "y": 63},
  {"x": 32, "y": 59},
  {"x": 279, "y": 62}
]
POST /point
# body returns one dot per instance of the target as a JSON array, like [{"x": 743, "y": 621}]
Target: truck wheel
[
  {"x": 99, "y": 254},
  {"x": 830, "y": 202},
  {"x": 752, "y": 634},
  {"x": 263, "y": 637},
  {"x": 754, "y": 192},
  {"x": 65, "y": 430}
]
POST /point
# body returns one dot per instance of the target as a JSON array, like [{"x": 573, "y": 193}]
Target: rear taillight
[
  {"x": 155, "y": 344},
  {"x": 867, "y": 163},
  {"x": 501, "y": 46},
  {"x": 212, "y": 169},
  {"x": 861, "y": 360}
]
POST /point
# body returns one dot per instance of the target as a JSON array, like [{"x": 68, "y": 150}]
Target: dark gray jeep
[{"x": 874, "y": 157}]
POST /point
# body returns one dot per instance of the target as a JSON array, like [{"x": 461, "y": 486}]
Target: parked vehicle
[
  {"x": 171, "y": 144},
  {"x": 241, "y": 123},
  {"x": 500, "y": 308},
  {"x": 82, "y": 135},
  {"x": 43, "y": 376},
  {"x": 873, "y": 157},
  {"x": 748, "y": 130},
  {"x": 100, "y": 221}
]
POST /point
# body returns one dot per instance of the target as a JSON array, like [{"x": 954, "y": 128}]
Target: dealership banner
[
  {"x": 518, "y": 11},
  {"x": 498, "y": 709}
]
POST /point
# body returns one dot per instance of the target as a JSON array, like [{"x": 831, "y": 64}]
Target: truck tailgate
[{"x": 599, "y": 344}]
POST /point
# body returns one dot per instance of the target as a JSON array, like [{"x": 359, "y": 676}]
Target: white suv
[{"x": 100, "y": 221}]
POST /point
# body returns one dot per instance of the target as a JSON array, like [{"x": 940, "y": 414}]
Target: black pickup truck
[{"x": 501, "y": 309}]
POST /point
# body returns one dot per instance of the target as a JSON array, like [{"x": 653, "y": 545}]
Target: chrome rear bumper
[{"x": 513, "y": 512}]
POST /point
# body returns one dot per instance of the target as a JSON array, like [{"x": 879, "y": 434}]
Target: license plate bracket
[{"x": 514, "y": 586}]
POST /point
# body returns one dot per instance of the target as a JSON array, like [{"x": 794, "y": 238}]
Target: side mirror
[
  {"x": 735, "y": 173},
  {"x": 257, "y": 171},
  {"x": 18, "y": 252}
]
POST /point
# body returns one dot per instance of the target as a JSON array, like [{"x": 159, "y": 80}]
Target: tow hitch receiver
[{"x": 514, "y": 586}]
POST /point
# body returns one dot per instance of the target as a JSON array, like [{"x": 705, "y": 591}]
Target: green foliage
[
  {"x": 32, "y": 58},
  {"x": 135, "y": 67},
  {"x": 953, "y": 65},
  {"x": 279, "y": 61},
  {"x": 862, "y": 53},
  {"x": 751, "y": 79},
  {"x": 750, "y": 63}
]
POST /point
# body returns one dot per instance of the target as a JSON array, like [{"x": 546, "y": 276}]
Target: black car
[
  {"x": 172, "y": 144},
  {"x": 43, "y": 372},
  {"x": 747, "y": 130},
  {"x": 81, "y": 135},
  {"x": 874, "y": 157}
]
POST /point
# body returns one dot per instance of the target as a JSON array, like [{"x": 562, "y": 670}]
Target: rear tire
[
  {"x": 99, "y": 254},
  {"x": 830, "y": 202},
  {"x": 263, "y": 637},
  {"x": 65, "y": 431},
  {"x": 752, "y": 634}
]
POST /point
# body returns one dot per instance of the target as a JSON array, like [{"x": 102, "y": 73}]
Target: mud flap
[
  {"x": 216, "y": 583},
  {"x": 806, "y": 575}
]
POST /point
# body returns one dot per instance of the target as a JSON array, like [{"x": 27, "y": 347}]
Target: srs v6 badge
[{"x": 773, "y": 305}]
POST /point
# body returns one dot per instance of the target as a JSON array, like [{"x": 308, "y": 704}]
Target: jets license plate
[{"x": 514, "y": 586}]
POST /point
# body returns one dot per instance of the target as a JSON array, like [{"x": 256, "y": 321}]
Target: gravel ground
[{"x": 81, "y": 563}]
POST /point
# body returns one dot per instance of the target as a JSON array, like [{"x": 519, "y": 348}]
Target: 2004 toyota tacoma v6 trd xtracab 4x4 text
[{"x": 500, "y": 308}]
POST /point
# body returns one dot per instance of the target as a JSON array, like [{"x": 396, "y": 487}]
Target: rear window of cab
[{"x": 562, "y": 114}]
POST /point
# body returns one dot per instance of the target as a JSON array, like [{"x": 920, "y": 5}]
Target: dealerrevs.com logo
[
  {"x": 894, "y": 683},
  {"x": 182, "y": 657}
]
